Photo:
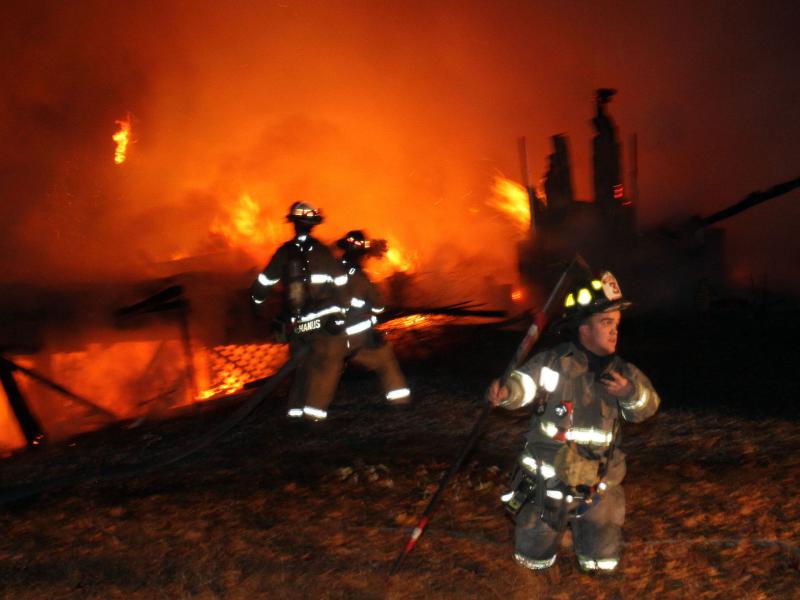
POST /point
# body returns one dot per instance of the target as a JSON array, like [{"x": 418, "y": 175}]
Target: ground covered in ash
[{"x": 273, "y": 511}]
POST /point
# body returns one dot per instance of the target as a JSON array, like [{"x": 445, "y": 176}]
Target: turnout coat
[{"x": 578, "y": 409}]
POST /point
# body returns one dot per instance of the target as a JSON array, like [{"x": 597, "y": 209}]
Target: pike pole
[{"x": 523, "y": 349}]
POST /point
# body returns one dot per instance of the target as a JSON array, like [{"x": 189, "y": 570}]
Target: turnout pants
[
  {"x": 318, "y": 376},
  {"x": 316, "y": 379},
  {"x": 596, "y": 535},
  {"x": 382, "y": 361}
]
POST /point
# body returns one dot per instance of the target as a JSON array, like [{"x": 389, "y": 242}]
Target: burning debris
[
  {"x": 127, "y": 379},
  {"x": 230, "y": 349}
]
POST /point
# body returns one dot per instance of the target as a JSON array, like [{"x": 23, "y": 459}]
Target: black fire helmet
[
  {"x": 353, "y": 240},
  {"x": 356, "y": 242},
  {"x": 304, "y": 212},
  {"x": 587, "y": 297}
]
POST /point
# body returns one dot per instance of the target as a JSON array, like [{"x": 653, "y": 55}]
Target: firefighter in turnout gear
[
  {"x": 570, "y": 470},
  {"x": 366, "y": 345},
  {"x": 314, "y": 304}
]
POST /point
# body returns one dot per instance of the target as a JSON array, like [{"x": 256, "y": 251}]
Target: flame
[
  {"x": 11, "y": 437},
  {"x": 134, "y": 379},
  {"x": 511, "y": 199},
  {"x": 396, "y": 260},
  {"x": 230, "y": 383},
  {"x": 516, "y": 294},
  {"x": 179, "y": 255},
  {"x": 122, "y": 138},
  {"x": 246, "y": 225},
  {"x": 541, "y": 193},
  {"x": 415, "y": 321}
]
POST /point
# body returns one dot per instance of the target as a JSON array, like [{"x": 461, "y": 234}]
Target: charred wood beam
[
  {"x": 8, "y": 366},
  {"x": 121, "y": 472},
  {"x": 750, "y": 201},
  {"x": 29, "y": 424},
  {"x": 168, "y": 299}
]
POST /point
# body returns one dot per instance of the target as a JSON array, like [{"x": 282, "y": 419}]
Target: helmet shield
[
  {"x": 600, "y": 294},
  {"x": 356, "y": 244},
  {"x": 354, "y": 241},
  {"x": 305, "y": 213}
]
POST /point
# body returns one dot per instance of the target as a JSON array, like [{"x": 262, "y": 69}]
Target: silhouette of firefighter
[
  {"x": 314, "y": 284},
  {"x": 570, "y": 470},
  {"x": 366, "y": 346}
]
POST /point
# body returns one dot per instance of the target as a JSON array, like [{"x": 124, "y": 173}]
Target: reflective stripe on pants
[{"x": 596, "y": 535}]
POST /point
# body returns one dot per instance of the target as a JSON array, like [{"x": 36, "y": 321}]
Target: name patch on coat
[{"x": 308, "y": 326}]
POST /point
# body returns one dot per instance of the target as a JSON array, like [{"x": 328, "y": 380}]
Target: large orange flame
[
  {"x": 148, "y": 379},
  {"x": 396, "y": 259},
  {"x": 122, "y": 138},
  {"x": 511, "y": 199},
  {"x": 245, "y": 225},
  {"x": 11, "y": 437}
]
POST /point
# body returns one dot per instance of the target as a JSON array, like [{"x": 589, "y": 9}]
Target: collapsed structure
[
  {"x": 676, "y": 269},
  {"x": 159, "y": 354}
]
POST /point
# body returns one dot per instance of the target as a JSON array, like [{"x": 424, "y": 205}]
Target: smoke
[{"x": 392, "y": 118}]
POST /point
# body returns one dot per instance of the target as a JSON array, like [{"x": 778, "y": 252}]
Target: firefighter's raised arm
[
  {"x": 520, "y": 389},
  {"x": 641, "y": 400}
]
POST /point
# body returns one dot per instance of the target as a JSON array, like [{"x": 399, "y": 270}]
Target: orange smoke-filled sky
[{"x": 393, "y": 117}]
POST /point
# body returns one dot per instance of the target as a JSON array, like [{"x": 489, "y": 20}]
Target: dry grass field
[{"x": 273, "y": 511}]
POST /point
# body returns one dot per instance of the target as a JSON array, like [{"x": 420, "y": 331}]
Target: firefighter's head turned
[
  {"x": 593, "y": 309},
  {"x": 357, "y": 245},
  {"x": 354, "y": 241},
  {"x": 304, "y": 216},
  {"x": 599, "y": 332}
]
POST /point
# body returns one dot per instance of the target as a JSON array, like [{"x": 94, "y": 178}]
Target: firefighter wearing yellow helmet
[
  {"x": 570, "y": 471},
  {"x": 314, "y": 297}
]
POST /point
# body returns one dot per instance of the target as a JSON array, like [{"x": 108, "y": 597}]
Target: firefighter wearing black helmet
[
  {"x": 570, "y": 470},
  {"x": 314, "y": 304},
  {"x": 366, "y": 346}
]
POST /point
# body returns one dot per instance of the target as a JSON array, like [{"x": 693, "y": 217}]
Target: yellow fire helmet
[{"x": 600, "y": 294}]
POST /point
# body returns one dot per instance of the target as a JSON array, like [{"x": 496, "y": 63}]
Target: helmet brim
[
  {"x": 306, "y": 220},
  {"x": 345, "y": 245},
  {"x": 614, "y": 305},
  {"x": 576, "y": 316}
]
